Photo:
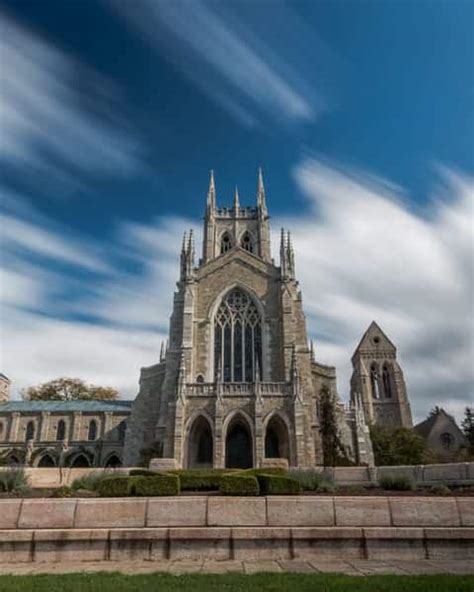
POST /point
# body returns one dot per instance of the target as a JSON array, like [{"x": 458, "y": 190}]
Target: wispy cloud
[
  {"x": 363, "y": 254},
  {"x": 245, "y": 72},
  {"x": 57, "y": 115}
]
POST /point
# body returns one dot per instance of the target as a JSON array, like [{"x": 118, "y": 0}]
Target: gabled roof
[
  {"x": 424, "y": 427},
  {"x": 367, "y": 342},
  {"x": 64, "y": 406}
]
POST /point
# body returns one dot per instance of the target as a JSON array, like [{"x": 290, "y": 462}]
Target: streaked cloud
[
  {"x": 236, "y": 65},
  {"x": 58, "y": 116},
  {"x": 362, "y": 253}
]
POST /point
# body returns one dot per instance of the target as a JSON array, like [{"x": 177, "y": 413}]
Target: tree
[
  {"x": 68, "y": 389},
  {"x": 333, "y": 450},
  {"x": 468, "y": 427},
  {"x": 436, "y": 410},
  {"x": 397, "y": 447}
]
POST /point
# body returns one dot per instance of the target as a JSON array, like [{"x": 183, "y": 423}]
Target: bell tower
[{"x": 238, "y": 226}]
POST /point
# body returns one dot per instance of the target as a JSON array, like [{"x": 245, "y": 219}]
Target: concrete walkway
[{"x": 353, "y": 567}]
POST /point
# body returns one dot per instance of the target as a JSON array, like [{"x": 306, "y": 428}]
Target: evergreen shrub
[
  {"x": 400, "y": 483},
  {"x": 158, "y": 485},
  {"x": 239, "y": 484},
  {"x": 114, "y": 486},
  {"x": 278, "y": 485}
]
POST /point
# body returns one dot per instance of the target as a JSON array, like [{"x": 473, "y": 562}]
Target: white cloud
[
  {"x": 362, "y": 254},
  {"x": 47, "y": 121},
  {"x": 229, "y": 61}
]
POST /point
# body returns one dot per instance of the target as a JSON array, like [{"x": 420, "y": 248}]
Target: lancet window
[
  {"x": 226, "y": 243},
  {"x": 387, "y": 387},
  {"x": 374, "y": 382},
  {"x": 237, "y": 338},
  {"x": 247, "y": 242}
]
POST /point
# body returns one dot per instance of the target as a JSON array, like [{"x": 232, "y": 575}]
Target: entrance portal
[
  {"x": 200, "y": 447},
  {"x": 277, "y": 439},
  {"x": 239, "y": 446}
]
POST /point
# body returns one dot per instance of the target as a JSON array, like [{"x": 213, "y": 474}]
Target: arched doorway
[
  {"x": 200, "y": 444},
  {"x": 46, "y": 461},
  {"x": 277, "y": 443},
  {"x": 80, "y": 461},
  {"x": 113, "y": 461},
  {"x": 238, "y": 448}
]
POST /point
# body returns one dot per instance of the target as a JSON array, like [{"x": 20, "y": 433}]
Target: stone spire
[
  {"x": 187, "y": 256},
  {"x": 261, "y": 203},
  {"x": 283, "y": 254},
  {"x": 211, "y": 192},
  {"x": 236, "y": 199},
  {"x": 290, "y": 257},
  {"x": 181, "y": 382},
  {"x": 162, "y": 352}
]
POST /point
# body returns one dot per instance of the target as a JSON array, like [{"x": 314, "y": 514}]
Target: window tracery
[
  {"x": 387, "y": 386},
  {"x": 237, "y": 338},
  {"x": 226, "y": 243},
  {"x": 374, "y": 382},
  {"x": 247, "y": 243}
]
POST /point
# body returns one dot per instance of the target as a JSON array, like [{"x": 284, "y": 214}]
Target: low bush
[
  {"x": 400, "y": 483},
  {"x": 278, "y": 485},
  {"x": 154, "y": 486},
  {"x": 440, "y": 489},
  {"x": 90, "y": 481},
  {"x": 262, "y": 471},
  {"x": 114, "y": 486},
  {"x": 200, "y": 479},
  {"x": 63, "y": 491},
  {"x": 239, "y": 484},
  {"x": 313, "y": 480},
  {"x": 14, "y": 480},
  {"x": 142, "y": 473}
]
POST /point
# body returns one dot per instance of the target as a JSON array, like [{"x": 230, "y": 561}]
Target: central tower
[{"x": 237, "y": 382}]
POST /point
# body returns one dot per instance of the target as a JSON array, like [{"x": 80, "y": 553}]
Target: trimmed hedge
[
  {"x": 398, "y": 483},
  {"x": 200, "y": 479},
  {"x": 114, "y": 487},
  {"x": 143, "y": 473},
  {"x": 263, "y": 471},
  {"x": 278, "y": 485},
  {"x": 239, "y": 484},
  {"x": 154, "y": 486}
]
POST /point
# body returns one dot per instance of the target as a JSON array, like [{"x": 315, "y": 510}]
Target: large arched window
[
  {"x": 30, "y": 431},
  {"x": 226, "y": 243},
  {"x": 374, "y": 381},
  {"x": 387, "y": 386},
  {"x": 247, "y": 243},
  {"x": 92, "y": 433},
  {"x": 61, "y": 430},
  {"x": 237, "y": 338}
]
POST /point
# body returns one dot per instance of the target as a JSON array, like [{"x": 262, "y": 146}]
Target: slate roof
[
  {"x": 62, "y": 406},
  {"x": 424, "y": 427}
]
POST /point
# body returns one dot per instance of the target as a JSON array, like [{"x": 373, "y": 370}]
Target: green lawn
[{"x": 113, "y": 582}]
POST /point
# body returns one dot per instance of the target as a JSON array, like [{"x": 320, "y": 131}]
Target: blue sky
[{"x": 112, "y": 114}]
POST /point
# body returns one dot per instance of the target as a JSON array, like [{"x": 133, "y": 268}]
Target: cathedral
[{"x": 237, "y": 382}]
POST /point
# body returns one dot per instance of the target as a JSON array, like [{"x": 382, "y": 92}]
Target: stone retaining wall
[
  {"x": 214, "y": 527},
  {"x": 453, "y": 473}
]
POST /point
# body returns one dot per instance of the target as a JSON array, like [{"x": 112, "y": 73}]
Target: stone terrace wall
[
  {"x": 214, "y": 527},
  {"x": 454, "y": 473}
]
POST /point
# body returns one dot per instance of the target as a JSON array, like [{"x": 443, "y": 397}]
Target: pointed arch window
[
  {"x": 387, "y": 385},
  {"x": 374, "y": 381},
  {"x": 92, "y": 433},
  {"x": 237, "y": 338},
  {"x": 30, "y": 431},
  {"x": 247, "y": 243},
  {"x": 226, "y": 243},
  {"x": 61, "y": 430}
]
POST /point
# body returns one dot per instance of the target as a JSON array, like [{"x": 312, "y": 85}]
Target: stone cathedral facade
[{"x": 237, "y": 382}]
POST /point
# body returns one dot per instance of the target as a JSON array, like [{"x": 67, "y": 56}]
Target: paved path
[{"x": 353, "y": 567}]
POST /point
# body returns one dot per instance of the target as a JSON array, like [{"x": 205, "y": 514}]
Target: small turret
[
  {"x": 4, "y": 388},
  {"x": 211, "y": 193},
  {"x": 261, "y": 202},
  {"x": 236, "y": 199}
]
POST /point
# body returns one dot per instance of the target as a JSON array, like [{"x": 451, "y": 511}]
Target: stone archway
[
  {"x": 200, "y": 444},
  {"x": 46, "y": 461},
  {"x": 238, "y": 446},
  {"x": 113, "y": 461},
  {"x": 277, "y": 439},
  {"x": 79, "y": 461}
]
